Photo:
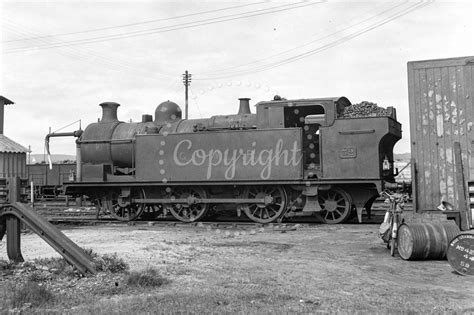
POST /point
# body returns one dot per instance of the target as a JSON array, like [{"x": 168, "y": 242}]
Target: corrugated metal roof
[
  {"x": 5, "y": 100},
  {"x": 8, "y": 145}
]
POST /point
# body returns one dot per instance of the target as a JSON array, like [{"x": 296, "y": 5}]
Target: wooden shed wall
[
  {"x": 12, "y": 164},
  {"x": 441, "y": 103}
]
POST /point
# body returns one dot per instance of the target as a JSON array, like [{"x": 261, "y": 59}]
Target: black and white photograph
[{"x": 237, "y": 157}]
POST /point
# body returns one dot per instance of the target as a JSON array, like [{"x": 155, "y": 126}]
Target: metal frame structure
[{"x": 13, "y": 212}]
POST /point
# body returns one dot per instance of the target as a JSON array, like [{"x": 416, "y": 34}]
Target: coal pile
[{"x": 366, "y": 109}]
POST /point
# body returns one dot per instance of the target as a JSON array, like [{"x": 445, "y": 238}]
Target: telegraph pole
[{"x": 187, "y": 82}]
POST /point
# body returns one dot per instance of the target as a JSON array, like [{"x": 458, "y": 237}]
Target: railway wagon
[
  {"x": 298, "y": 157},
  {"x": 48, "y": 183}
]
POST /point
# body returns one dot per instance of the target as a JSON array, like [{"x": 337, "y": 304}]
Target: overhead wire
[
  {"x": 92, "y": 56},
  {"x": 311, "y": 52},
  {"x": 64, "y": 127},
  {"x": 164, "y": 29},
  {"x": 135, "y": 24},
  {"x": 348, "y": 27},
  {"x": 319, "y": 49}
]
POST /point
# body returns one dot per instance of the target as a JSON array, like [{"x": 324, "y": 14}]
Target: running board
[{"x": 10, "y": 216}]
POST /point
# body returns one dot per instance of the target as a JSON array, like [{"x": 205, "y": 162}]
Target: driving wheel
[
  {"x": 335, "y": 204},
  {"x": 122, "y": 210},
  {"x": 274, "y": 202},
  {"x": 191, "y": 210}
]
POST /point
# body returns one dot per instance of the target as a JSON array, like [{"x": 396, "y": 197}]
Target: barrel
[
  {"x": 425, "y": 240},
  {"x": 461, "y": 254}
]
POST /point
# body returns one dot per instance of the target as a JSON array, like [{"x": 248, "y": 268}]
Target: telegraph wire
[
  {"x": 245, "y": 71},
  {"x": 350, "y": 26},
  {"x": 165, "y": 29},
  {"x": 135, "y": 24},
  {"x": 115, "y": 65},
  {"x": 361, "y": 32},
  {"x": 321, "y": 48},
  {"x": 94, "y": 57},
  {"x": 97, "y": 58},
  {"x": 311, "y": 52}
]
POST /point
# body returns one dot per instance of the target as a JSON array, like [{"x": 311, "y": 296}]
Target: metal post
[
  {"x": 32, "y": 193},
  {"x": 13, "y": 226},
  {"x": 460, "y": 185},
  {"x": 78, "y": 163},
  {"x": 14, "y": 239},
  {"x": 187, "y": 82}
]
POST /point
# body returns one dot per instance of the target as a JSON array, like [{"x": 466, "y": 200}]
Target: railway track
[{"x": 57, "y": 212}]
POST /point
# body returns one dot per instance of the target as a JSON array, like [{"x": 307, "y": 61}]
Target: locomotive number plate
[{"x": 348, "y": 153}]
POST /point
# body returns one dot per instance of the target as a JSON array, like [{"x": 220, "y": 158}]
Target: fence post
[
  {"x": 32, "y": 193},
  {"x": 13, "y": 226}
]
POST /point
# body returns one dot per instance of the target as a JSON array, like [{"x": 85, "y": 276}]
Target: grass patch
[
  {"x": 6, "y": 265},
  {"x": 55, "y": 265},
  {"x": 109, "y": 263},
  {"x": 146, "y": 278},
  {"x": 31, "y": 294},
  {"x": 103, "y": 263}
]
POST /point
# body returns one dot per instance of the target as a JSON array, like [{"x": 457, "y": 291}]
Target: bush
[
  {"x": 105, "y": 263},
  {"x": 39, "y": 276},
  {"x": 31, "y": 293},
  {"x": 146, "y": 278},
  {"x": 110, "y": 263},
  {"x": 6, "y": 265}
]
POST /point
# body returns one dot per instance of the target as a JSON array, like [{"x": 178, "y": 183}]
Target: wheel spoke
[
  {"x": 268, "y": 214},
  {"x": 263, "y": 212},
  {"x": 336, "y": 205},
  {"x": 271, "y": 192},
  {"x": 272, "y": 208},
  {"x": 185, "y": 212}
]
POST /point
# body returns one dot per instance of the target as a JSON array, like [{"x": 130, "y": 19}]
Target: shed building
[
  {"x": 12, "y": 154},
  {"x": 441, "y": 98}
]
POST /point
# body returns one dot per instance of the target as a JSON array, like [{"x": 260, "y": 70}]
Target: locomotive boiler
[{"x": 298, "y": 157}]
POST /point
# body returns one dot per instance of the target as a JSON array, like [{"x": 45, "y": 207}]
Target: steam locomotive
[{"x": 291, "y": 158}]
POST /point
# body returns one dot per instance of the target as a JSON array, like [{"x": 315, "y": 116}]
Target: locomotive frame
[{"x": 334, "y": 165}]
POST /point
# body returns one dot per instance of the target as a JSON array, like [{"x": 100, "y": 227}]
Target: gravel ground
[{"x": 343, "y": 268}]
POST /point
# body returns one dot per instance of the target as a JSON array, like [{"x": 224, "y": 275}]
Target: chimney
[
  {"x": 244, "y": 106},
  {"x": 3, "y": 101},
  {"x": 109, "y": 112},
  {"x": 147, "y": 118}
]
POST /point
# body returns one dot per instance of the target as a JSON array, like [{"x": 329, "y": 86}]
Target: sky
[{"x": 60, "y": 59}]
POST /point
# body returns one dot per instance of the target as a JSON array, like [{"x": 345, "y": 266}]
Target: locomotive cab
[{"x": 307, "y": 114}]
